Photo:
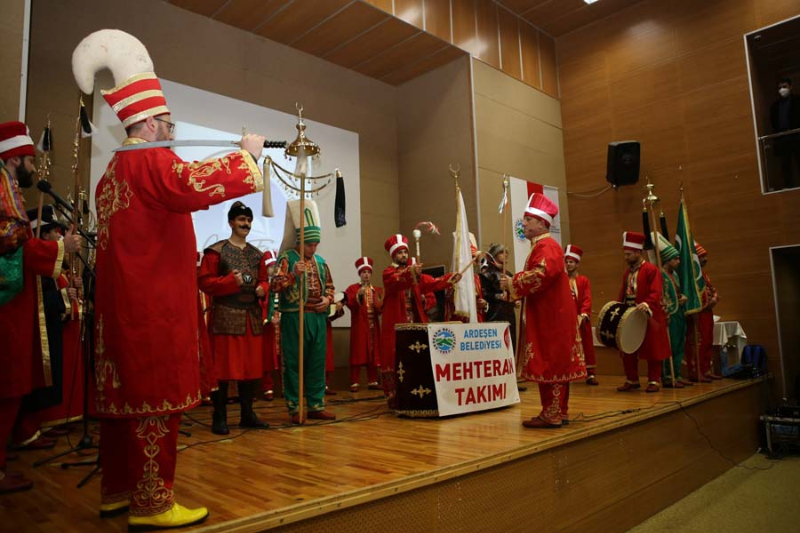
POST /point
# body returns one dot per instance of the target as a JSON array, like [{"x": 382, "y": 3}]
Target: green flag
[{"x": 690, "y": 274}]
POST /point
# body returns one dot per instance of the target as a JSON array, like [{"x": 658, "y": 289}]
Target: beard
[{"x": 24, "y": 177}]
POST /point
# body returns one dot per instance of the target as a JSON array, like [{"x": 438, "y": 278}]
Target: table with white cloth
[{"x": 731, "y": 339}]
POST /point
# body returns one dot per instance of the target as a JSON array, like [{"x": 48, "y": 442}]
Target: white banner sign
[
  {"x": 473, "y": 367},
  {"x": 521, "y": 190}
]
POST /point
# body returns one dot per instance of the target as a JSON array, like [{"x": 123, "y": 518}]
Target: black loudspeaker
[{"x": 623, "y": 163}]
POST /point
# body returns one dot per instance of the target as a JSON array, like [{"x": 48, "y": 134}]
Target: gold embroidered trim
[
  {"x": 152, "y": 496},
  {"x": 59, "y": 261},
  {"x": 107, "y": 499},
  {"x": 114, "y": 196},
  {"x": 138, "y": 97},
  {"x": 199, "y": 171},
  {"x": 42, "y": 327},
  {"x": 255, "y": 177},
  {"x": 103, "y": 367},
  {"x": 418, "y": 413},
  {"x": 132, "y": 79},
  {"x": 411, "y": 327},
  {"x": 152, "y": 112}
]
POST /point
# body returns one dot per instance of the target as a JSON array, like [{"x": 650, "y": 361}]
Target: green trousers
[
  {"x": 314, "y": 347},
  {"x": 677, "y": 340}
]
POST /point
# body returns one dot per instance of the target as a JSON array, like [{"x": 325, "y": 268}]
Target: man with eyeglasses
[{"x": 147, "y": 370}]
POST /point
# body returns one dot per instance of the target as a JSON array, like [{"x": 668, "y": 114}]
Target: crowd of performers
[{"x": 158, "y": 309}]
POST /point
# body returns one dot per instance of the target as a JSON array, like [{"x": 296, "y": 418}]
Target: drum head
[{"x": 632, "y": 329}]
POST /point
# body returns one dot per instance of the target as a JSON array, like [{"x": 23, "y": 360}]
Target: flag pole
[
  {"x": 506, "y": 210},
  {"x": 302, "y": 281},
  {"x": 695, "y": 328},
  {"x": 650, "y": 202}
]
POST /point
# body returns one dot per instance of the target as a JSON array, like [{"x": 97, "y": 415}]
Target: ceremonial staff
[
  {"x": 649, "y": 203},
  {"x": 45, "y": 145},
  {"x": 505, "y": 211},
  {"x": 301, "y": 148},
  {"x": 76, "y": 265}
]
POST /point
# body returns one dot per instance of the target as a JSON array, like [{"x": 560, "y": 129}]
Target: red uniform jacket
[
  {"x": 25, "y": 366},
  {"x": 648, "y": 287},
  {"x": 551, "y": 347},
  {"x": 582, "y": 292},
  {"x": 396, "y": 281},
  {"x": 146, "y": 316},
  {"x": 364, "y": 337}
]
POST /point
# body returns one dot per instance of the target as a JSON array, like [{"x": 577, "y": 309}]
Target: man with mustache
[
  {"x": 234, "y": 274},
  {"x": 23, "y": 352}
]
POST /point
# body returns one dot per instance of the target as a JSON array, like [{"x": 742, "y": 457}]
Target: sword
[{"x": 175, "y": 144}]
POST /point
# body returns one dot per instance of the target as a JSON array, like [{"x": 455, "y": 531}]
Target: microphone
[{"x": 47, "y": 188}]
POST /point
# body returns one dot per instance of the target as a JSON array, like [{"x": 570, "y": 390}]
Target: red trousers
[
  {"x": 138, "y": 458},
  {"x": 704, "y": 322},
  {"x": 587, "y": 341},
  {"x": 268, "y": 382},
  {"x": 355, "y": 373},
  {"x": 9, "y": 407},
  {"x": 555, "y": 402},
  {"x": 631, "y": 364}
]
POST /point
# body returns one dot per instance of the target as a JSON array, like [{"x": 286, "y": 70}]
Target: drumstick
[{"x": 469, "y": 265}]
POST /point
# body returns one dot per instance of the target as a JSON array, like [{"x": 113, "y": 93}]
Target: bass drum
[{"x": 621, "y": 326}]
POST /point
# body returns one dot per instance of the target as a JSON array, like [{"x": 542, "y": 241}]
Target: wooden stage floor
[{"x": 261, "y": 479}]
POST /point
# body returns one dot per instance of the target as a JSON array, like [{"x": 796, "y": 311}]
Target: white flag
[{"x": 464, "y": 295}]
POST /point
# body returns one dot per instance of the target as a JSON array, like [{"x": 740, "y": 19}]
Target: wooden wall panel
[
  {"x": 488, "y": 38},
  {"x": 385, "y": 5},
  {"x": 529, "y": 48},
  {"x": 672, "y": 75},
  {"x": 519, "y": 133},
  {"x": 247, "y": 14},
  {"x": 410, "y": 11},
  {"x": 547, "y": 53},
  {"x": 434, "y": 133},
  {"x": 465, "y": 33},
  {"x": 283, "y": 26},
  {"x": 510, "y": 60},
  {"x": 340, "y": 29},
  {"x": 437, "y": 19},
  {"x": 11, "y": 32},
  {"x": 201, "y": 7},
  {"x": 381, "y": 38}
]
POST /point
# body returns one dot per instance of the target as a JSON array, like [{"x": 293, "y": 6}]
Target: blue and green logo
[
  {"x": 519, "y": 232},
  {"x": 444, "y": 340}
]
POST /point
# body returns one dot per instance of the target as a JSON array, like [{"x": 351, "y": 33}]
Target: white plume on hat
[{"x": 122, "y": 53}]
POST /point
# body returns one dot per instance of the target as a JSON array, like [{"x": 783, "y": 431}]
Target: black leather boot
[
  {"x": 219, "y": 423},
  {"x": 249, "y": 419}
]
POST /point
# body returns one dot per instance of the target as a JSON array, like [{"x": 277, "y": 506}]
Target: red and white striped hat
[
  {"x": 270, "y": 258},
  {"x": 701, "y": 252},
  {"x": 363, "y": 263},
  {"x": 15, "y": 140},
  {"x": 632, "y": 240},
  {"x": 573, "y": 252},
  {"x": 137, "y": 98},
  {"x": 541, "y": 207},
  {"x": 395, "y": 243},
  {"x": 138, "y": 92}
]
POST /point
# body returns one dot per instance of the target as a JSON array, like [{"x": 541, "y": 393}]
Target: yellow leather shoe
[
  {"x": 178, "y": 516},
  {"x": 110, "y": 510}
]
